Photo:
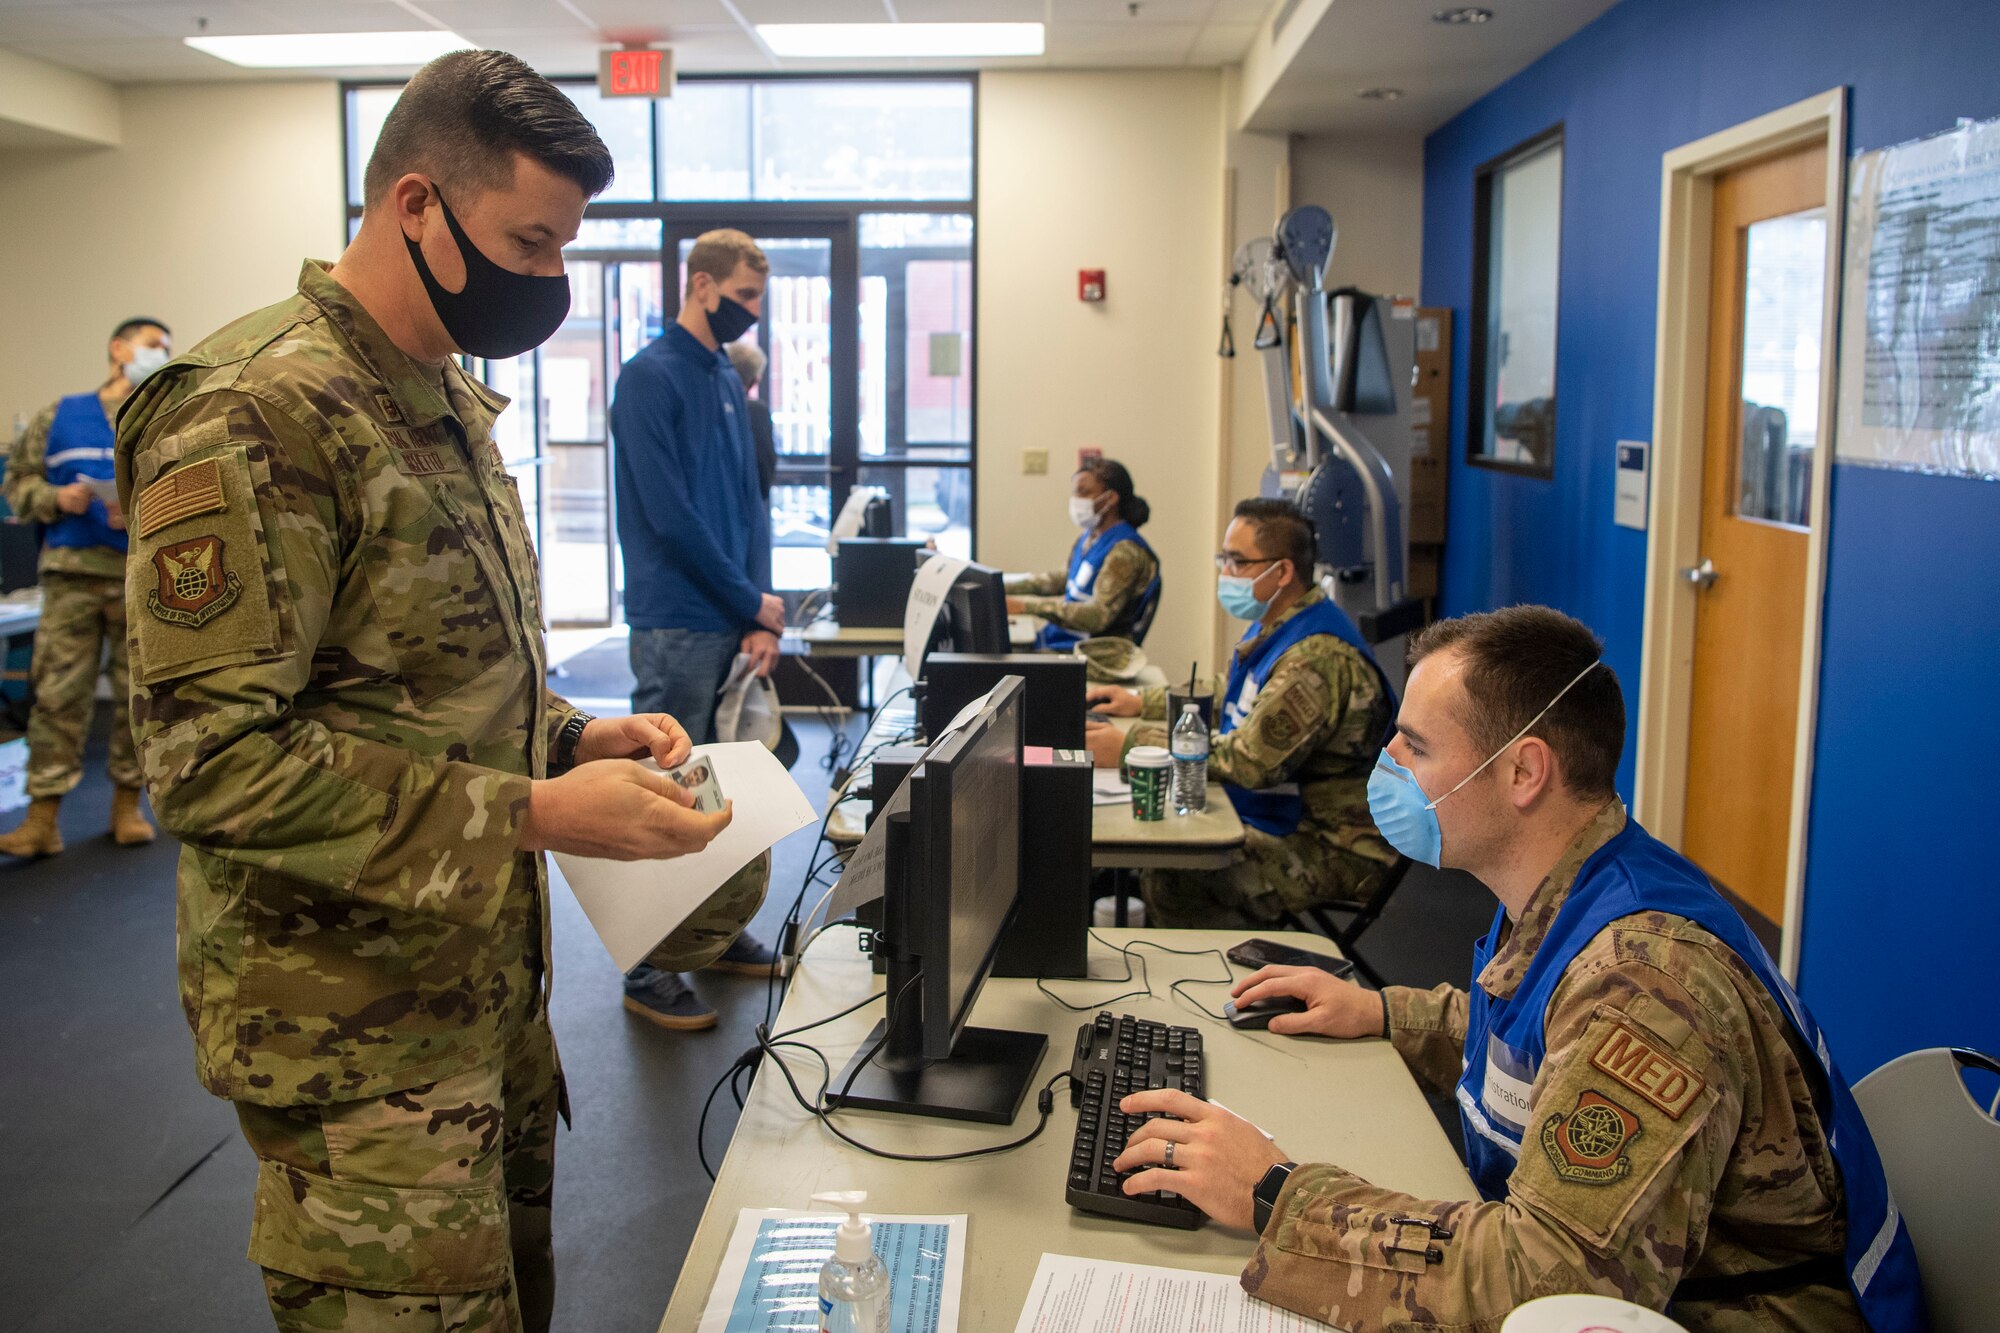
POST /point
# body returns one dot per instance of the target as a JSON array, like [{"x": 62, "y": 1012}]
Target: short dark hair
[
  {"x": 1113, "y": 476},
  {"x": 1283, "y": 531},
  {"x": 1519, "y": 658},
  {"x": 137, "y": 322},
  {"x": 465, "y": 115}
]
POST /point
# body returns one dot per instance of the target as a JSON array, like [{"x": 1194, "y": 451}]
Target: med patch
[{"x": 1647, "y": 1070}]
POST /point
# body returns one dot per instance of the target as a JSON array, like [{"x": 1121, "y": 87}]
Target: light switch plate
[{"x": 1034, "y": 462}]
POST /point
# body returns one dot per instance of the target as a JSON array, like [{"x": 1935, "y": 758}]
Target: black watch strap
[
  {"x": 1264, "y": 1199},
  {"x": 562, "y": 757}
]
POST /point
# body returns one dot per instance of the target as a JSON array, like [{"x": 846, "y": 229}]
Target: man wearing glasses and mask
[{"x": 1300, "y": 717}]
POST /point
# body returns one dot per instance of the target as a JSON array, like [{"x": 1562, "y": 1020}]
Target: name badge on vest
[
  {"x": 1246, "y": 699},
  {"x": 1508, "y": 1089},
  {"x": 1084, "y": 572}
]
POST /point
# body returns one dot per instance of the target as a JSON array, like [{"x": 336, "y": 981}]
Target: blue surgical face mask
[
  {"x": 1239, "y": 598},
  {"x": 1407, "y": 821},
  {"x": 145, "y": 360}
]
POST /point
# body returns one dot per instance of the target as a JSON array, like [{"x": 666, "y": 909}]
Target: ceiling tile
[
  {"x": 815, "y": 11},
  {"x": 509, "y": 15},
  {"x": 1121, "y": 43},
  {"x": 652, "y": 14},
  {"x": 20, "y": 23},
  {"x": 1117, "y": 11},
  {"x": 964, "y": 11},
  {"x": 1240, "y": 11},
  {"x": 227, "y": 18}
]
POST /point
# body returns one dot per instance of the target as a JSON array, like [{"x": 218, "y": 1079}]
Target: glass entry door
[{"x": 808, "y": 334}]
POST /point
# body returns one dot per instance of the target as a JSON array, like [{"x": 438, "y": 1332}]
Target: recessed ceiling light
[
  {"x": 863, "y": 41},
  {"x": 1462, "y": 14},
  {"x": 331, "y": 50},
  {"x": 1379, "y": 94}
]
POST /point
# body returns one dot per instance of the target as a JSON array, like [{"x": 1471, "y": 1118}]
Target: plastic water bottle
[
  {"x": 1190, "y": 751},
  {"x": 854, "y": 1284}
]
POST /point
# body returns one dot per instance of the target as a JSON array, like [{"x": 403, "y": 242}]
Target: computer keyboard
[{"x": 1117, "y": 1055}]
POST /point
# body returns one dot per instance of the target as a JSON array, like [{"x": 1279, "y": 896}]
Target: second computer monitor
[{"x": 974, "y": 617}]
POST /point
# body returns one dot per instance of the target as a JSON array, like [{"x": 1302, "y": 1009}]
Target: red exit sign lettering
[{"x": 635, "y": 72}]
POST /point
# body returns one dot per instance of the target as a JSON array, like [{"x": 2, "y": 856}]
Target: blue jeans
[{"x": 680, "y": 672}]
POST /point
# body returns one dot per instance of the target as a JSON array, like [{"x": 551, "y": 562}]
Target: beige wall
[
  {"x": 1374, "y": 187},
  {"x": 1120, "y": 171},
  {"x": 201, "y": 215}
]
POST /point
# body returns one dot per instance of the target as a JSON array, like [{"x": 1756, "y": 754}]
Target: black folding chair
[{"x": 1319, "y": 919}]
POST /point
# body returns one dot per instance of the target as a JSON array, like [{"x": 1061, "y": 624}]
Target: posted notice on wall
[
  {"x": 1072, "y": 1295},
  {"x": 1920, "y": 312}
]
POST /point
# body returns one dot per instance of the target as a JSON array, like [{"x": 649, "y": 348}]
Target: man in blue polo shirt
[
  {"x": 56, "y": 477},
  {"x": 696, "y": 535}
]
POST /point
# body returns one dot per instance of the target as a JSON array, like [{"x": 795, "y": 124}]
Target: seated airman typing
[
  {"x": 1301, "y": 716},
  {"x": 1649, "y": 1110},
  {"x": 1112, "y": 585}
]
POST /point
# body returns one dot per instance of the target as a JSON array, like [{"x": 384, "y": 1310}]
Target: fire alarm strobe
[{"x": 1090, "y": 284}]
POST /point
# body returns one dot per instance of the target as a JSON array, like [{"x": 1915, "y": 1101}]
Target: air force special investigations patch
[{"x": 194, "y": 588}]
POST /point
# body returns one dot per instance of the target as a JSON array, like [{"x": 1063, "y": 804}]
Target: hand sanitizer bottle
[{"x": 853, "y": 1285}]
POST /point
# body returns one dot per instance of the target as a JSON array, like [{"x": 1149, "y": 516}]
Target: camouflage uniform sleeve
[
  {"x": 237, "y": 491},
  {"x": 1127, "y": 570},
  {"x": 29, "y": 493},
  {"x": 560, "y": 711},
  {"x": 1292, "y": 712},
  {"x": 1035, "y": 585},
  {"x": 1629, "y": 1129},
  {"x": 1427, "y": 1028}
]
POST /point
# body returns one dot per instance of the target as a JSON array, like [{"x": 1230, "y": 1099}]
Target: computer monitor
[
  {"x": 974, "y": 616},
  {"x": 871, "y": 580},
  {"x": 952, "y": 881},
  {"x": 1056, "y": 684}
]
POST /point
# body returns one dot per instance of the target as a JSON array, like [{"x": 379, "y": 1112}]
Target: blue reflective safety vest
[
  {"x": 1634, "y": 872},
  {"x": 80, "y": 446},
  {"x": 1084, "y": 563},
  {"x": 1278, "y": 810}
]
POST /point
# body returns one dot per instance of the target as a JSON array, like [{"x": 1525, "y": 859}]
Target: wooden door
[{"x": 1762, "y": 427}]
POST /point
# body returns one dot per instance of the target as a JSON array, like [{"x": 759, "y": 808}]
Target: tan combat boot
[
  {"x": 38, "y": 834},
  {"x": 129, "y": 828}
]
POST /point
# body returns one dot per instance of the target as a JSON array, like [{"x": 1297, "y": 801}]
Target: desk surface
[
  {"x": 830, "y": 638},
  {"x": 20, "y": 617},
  {"x": 1362, "y": 1110},
  {"x": 1207, "y": 841}
]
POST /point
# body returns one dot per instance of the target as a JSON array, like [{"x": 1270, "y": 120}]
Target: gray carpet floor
[{"x": 126, "y": 1188}]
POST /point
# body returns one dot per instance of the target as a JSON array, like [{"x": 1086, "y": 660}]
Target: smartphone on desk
[{"x": 1270, "y": 953}]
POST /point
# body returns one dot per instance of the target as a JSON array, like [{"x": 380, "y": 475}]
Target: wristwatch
[
  {"x": 562, "y": 755},
  {"x": 1264, "y": 1198}
]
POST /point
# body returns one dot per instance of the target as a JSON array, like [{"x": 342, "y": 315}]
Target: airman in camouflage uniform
[
  {"x": 1317, "y": 722},
  {"x": 1129, "y": 569},
  {"x": 1646, "y": 1114},
  {"x": 1741, "y": 1180},
  {"x": 82, "y": 575},
  {"x": 1112, "y": 586},
  {"x": 339, "y": 699}
]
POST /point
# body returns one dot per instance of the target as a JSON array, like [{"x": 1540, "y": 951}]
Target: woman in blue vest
[
  {"x": 56, "y": 476},
  {"x": 1113, "y": 583},
  {"x": 1650, "y": 1112}
]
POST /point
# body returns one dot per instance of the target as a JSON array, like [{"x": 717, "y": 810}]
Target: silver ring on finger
[{"x": 1170, "y": 1154}]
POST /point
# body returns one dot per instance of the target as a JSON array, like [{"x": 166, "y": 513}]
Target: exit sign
[{"x": 635, "y": 72}]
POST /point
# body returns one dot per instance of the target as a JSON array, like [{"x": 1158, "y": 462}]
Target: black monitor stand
[{"x": 986, "y": 1078}]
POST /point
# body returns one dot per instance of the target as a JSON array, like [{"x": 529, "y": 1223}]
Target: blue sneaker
[
  {"x": 747, "y": 957},
  {"x": 663, "y": 999}
]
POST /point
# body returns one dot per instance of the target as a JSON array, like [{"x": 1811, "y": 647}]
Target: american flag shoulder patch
[{"x": 184, "y": 493}]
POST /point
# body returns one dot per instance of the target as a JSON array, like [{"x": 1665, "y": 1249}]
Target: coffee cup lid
[
  {"x": 1146, "y": 756},
  {"x": 1580, "y": 1313}
]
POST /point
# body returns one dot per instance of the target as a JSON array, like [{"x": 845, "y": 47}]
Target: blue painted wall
[{"x": 1902, "y": 907}]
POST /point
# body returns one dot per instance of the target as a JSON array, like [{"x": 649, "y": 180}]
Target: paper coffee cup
[
  {"x": 1578, "y": 1313},
  {"x": 1151, "y": 767}
]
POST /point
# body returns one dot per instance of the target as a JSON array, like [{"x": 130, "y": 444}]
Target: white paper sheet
[
  {"x": 633, "y": 905},
  {"x": 1107, "y": 788},
  {"x": 920, "y": 613},
  {"x": 1072, "y": 1295},
  {"x": 925, "y": 1256}
]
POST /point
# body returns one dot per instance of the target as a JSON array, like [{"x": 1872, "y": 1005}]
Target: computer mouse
[{"x": 1259, "y": 1013}]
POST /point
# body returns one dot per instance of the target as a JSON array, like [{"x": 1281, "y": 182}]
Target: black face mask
[
  {"x": 499, "y": 313},
  {"x": 730, "y": 321}
]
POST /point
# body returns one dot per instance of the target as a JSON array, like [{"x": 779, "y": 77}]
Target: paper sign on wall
[{"x": 920, "y": 613}]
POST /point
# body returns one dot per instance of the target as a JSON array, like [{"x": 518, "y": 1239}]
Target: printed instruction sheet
[
  {"x": 769, "y": 1281},
  {"x": 1072, "y": 1295},
  {"x": 633, "y": 905}
]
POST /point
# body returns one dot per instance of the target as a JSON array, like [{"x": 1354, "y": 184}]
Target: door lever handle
[{"x": 1701, "y": 575}]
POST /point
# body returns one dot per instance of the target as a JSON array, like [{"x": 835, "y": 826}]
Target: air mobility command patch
[
  {"x": 1588, "y": 1144},
  {"x": 194, "y": 588}
]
